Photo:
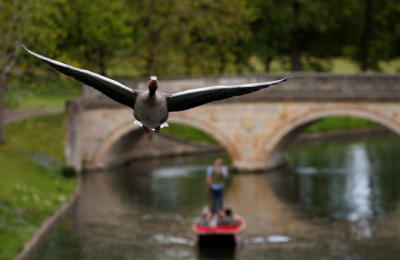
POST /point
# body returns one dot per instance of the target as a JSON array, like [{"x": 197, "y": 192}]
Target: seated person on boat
[
  {"x": 227, "y": 219},
  {"x": 206, "y": 217}
]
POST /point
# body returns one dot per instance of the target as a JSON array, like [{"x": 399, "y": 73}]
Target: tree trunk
[
  {"x": 222, "y": 61},
  {"x": 366, "y": 37},
  {"x": 187, "y": 61},
  {"x": 296, "y": 39},
  {"x": 149, "y": 64},
  {"x": 240, "y": 57},
  {"x": 102, "y": 64},
  {"x": 3, "y": 80},
  {"x": 267, "y": 64}
]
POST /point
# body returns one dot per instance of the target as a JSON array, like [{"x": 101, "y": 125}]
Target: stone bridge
[{"x": 256, "y": 130}]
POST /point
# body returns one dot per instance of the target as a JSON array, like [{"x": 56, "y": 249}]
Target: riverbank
[
  {"x": 31, "y": 186},
  {"x": 344, "y": 134},
  {"x": 47, "y": 226}
]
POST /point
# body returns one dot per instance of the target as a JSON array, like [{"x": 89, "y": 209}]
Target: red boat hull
[{"x": 220, "y": 236}]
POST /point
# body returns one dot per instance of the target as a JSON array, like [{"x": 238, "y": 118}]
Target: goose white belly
[{"x": 151, "y": 111}]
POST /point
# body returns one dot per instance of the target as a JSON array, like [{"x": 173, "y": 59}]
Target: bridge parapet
[
  {"x": 307, "y": 86},
  {"x": 256, "y": 130}
]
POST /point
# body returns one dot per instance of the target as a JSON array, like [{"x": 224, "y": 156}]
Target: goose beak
[{"x": 153, "y": 81}]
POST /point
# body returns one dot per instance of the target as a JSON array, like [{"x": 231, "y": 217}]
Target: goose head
[{"x": 153, "y": 84}]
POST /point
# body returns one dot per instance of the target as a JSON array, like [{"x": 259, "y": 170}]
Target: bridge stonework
[{"x": 256, "y": 130}]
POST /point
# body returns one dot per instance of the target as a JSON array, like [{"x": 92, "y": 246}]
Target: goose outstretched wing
[
  {"x": 196, "y": 97},
  {"x": 111, "y": 88}
]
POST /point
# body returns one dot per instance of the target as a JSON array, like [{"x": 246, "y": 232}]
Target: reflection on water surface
[{"x": 336, "y": 201}]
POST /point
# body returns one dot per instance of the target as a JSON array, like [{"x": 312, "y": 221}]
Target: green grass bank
[{"x": 31, "y": 186}]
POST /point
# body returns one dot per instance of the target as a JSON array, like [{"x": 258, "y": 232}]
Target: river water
[{"x": 336, "y": 200}]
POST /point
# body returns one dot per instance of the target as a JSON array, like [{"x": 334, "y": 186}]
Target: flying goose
[{"x": 151, "y": 108}]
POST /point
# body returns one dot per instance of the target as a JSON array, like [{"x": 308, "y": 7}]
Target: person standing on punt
[{"x": 216, "y": 174}]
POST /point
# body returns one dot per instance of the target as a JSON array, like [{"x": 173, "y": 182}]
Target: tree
[
  {"x": 11, "y": 13},
  {"x": 378, "y": 23},
  {"x": 154, "y": 24},
  {"x": 96, "y": 31},
  {"x": 176, "y": 37},
  {"x": 224, "y": 27},
  {"x": 309, "y": 32},
  {"x": 281, "y": 28},
  {"x": 20, "y": 19}
]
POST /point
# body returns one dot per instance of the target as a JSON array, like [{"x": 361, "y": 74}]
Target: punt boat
[{"x": 220, "y": 236}]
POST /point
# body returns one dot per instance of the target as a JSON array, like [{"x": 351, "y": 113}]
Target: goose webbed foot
[{"x": 145, "y": 130}]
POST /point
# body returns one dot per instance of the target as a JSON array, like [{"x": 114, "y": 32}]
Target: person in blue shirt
[{"x": 216, "y": 174}]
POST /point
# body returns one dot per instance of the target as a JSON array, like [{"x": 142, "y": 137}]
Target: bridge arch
[
  {"x": 280, "y": 141},
  {"x": 208, "y": 127},
  {"x": 100, "y": 160},
  {"x": 99, "y": 157}
]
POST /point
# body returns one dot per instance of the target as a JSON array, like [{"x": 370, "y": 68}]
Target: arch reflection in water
[
  {"x": 351, "y": 183},
  {"x": 358, "y": 192}
]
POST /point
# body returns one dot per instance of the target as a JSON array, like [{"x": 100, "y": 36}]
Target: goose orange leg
[
  {"x": 157, "y": 129},
  {"x": 145, "y": 130}
]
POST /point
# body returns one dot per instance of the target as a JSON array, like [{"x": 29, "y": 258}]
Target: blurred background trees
[{"x": 183, "y": 37}]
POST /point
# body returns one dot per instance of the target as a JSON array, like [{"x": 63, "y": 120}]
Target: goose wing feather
[
  {"x": 111, "y": 88},
  {"x": 196, "y": 97}
]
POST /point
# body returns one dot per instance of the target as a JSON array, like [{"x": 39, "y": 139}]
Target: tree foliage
[
  {"x": 19, "y": 18},
  {"x": 376, "y": 33},
  {"x": 185, "y": 37},
  {"x": 94, "y": 32},
  {"x": 188, "y": 37}
]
